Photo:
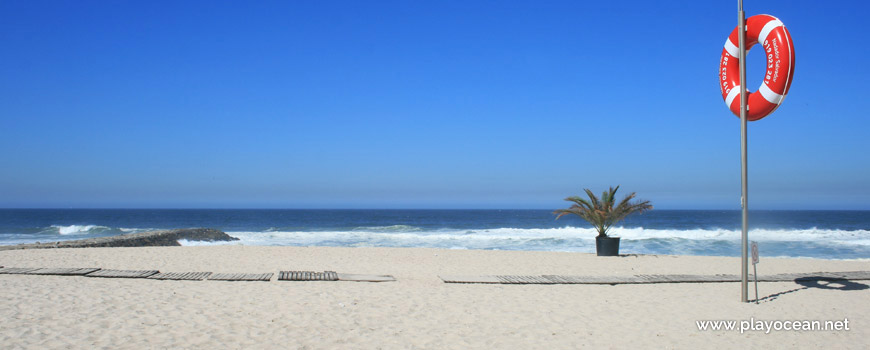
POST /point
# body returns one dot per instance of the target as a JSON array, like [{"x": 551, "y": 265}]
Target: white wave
[
  {"x": 79, "y": 229},
  {"x": 405, "y": 238},
  {"x": 565, "y": 238},
  {"x": 864, "y": 242},
  {"x": 811, "y": 234},
  {"x": 135, "y": 230},
  {"x": 375, "y": 239}
]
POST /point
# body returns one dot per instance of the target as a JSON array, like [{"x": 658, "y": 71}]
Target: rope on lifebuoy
[{"x": 779, "y": 51}]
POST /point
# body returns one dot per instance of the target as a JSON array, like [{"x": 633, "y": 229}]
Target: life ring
[{"x": 771, "y": 33}]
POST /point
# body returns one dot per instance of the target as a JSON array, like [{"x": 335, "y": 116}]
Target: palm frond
[{"x": 603, "y": 212}]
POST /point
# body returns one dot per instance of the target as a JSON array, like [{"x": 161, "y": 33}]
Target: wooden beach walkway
[
  {"x": 649, "y": 279},
  {"x": 265, "y": 277},
  {"x": 122, "y": 273},
  {"x": 180, "y": 276},
  {"x": 306, "y": 276},
  {"x": 196, "y": 276}
]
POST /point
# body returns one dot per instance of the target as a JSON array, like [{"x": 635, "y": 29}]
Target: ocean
[{"x": 816, "y": 234}]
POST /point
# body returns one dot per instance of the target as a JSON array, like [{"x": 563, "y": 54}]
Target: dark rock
[{"x": 143, "y": 239}]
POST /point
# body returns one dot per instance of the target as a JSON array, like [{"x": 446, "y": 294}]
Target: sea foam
[
  {"x": 79, "y": 229},
  {"x": 559, "y": 239}
]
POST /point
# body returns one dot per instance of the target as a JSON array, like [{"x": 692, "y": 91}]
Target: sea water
[{"x": 817, "y": 234}]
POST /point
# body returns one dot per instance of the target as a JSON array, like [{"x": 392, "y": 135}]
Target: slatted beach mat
[
  {"x": 241, "y": 276},
  {"x": 180, "y": 276},
  {"x": 526, "y": 279},
  {"x": 854, "y": 275},
  {"x": 16, "y": 270},
  {"x": 307, "y": 276},
  {"x": 846, "y": 275},
  {"x": 648, "y": 279},
  {"x": 122, "y": 273},
  {"x": 642, "y": 279},
  {"x": 63, "y": 271},
  {"x": 471, "y": 279},
  {"x": 560, "y": 279}
]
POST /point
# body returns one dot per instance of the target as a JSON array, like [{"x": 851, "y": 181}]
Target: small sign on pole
[
  {"x": 754, "y": 249},
  {"x": 754, "y": 253}
]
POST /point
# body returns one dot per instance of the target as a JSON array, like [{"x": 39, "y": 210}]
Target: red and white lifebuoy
[{"x": 778, "y": 48}]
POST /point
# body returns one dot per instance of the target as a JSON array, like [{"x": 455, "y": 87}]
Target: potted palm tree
[{"x": 602, "y": 213}]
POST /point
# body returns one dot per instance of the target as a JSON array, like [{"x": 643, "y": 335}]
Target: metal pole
[
  {"x": 755, "y": 273},
  {"x": 744, "y": 174}
]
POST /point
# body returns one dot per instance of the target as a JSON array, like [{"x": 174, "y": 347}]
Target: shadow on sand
[{"x": 821, "y": 283}]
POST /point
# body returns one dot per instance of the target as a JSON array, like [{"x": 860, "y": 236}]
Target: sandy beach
[{"x": 418, "y": 310}]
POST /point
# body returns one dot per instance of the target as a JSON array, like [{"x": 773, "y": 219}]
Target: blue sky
[{"x": 455, "y": 104}]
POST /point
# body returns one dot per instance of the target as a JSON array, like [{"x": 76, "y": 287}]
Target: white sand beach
[{"x": 418, "y": 310}]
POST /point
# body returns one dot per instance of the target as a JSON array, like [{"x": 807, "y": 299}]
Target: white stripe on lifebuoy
[
  {"x": 769, "y": 95},
  {"x": 769, "y": 27},
  {"x": 732, "y": 95},
  {"x": 732, "y": 49}
]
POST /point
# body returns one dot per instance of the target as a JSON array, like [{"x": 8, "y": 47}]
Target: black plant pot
[{"x": 607, "y": 246}]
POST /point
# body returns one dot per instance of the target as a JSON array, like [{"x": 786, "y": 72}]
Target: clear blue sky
[{"x": 406, "y": 104}]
